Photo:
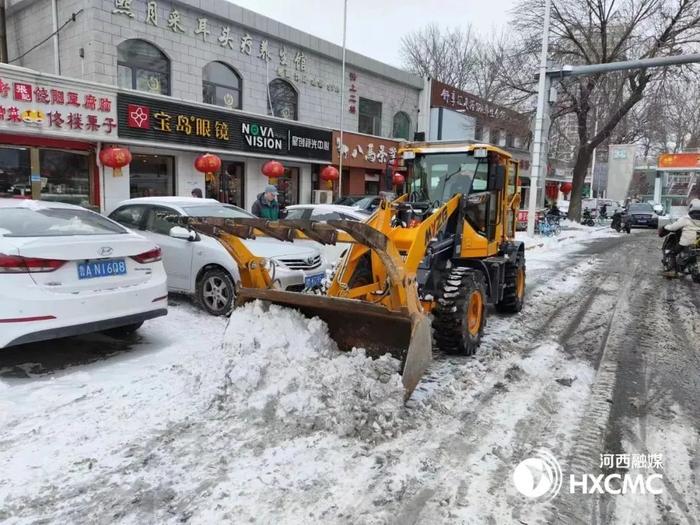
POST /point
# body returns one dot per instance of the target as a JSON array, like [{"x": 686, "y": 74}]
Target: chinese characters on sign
[
  {"x": 352, "y": 98},
  {"x": 168, "y": 121},
  {"x": 631, "y": 461},
  {"x": 360, "y": 151},
  {"x": 54, "y": 109},
  {"x": 292, "y": 64}
]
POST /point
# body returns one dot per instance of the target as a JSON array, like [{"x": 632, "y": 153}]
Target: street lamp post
[{"x": 540, "y": 137}]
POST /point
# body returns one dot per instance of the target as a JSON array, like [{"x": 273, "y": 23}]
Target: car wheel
[
  {"x": 216, "y": 292},
  {"x": 123, "y": 331}
]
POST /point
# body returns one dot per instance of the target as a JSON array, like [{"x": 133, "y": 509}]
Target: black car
[{"x": 642, "y": 215}]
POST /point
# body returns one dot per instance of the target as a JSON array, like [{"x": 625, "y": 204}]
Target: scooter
[
  {"x": 587, "y": 218},
  {"x": 620, "y": 221},
  {"x": 687, "y": 260}
]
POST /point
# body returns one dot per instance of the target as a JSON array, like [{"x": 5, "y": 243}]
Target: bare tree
[
  {"x": 447, "y": 55},
  {"x": 603, "y": 31}
]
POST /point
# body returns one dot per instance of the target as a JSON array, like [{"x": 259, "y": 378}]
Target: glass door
[
  {"x": 288, "y": 187},
  {"x": 227, "y": 186}
]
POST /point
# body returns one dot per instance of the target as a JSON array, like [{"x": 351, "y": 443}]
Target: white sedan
[
  {"x": 323, "y": 213},
  {"x": 65, "y": 270},
  {"x": 199, "y": 265}
]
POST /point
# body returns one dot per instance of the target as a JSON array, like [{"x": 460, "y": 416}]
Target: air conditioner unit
[{"x": 323, "y": 197}]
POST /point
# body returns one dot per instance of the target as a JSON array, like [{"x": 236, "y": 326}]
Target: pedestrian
[
  {"x": 266, "y": 205},
  {"x": 196, "y": 192}
]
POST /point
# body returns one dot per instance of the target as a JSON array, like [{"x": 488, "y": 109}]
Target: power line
[{"x": 71, "y": 19}]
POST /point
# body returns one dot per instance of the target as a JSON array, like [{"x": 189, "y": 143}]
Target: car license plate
[
  {"x": 92, "y": 269},
  {"x": 642, "y": 221},
  {"x": 314, "y": 281}
]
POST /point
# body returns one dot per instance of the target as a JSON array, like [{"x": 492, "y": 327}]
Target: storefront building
[
  {"x": 50, "y": 132},
  {"x": 165, "y": 137},
  {"x": 217, "y": 53},
  {"x": 365, "y": 162}
]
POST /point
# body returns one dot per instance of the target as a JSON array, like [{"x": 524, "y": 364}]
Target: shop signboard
[
  {"x": 364, "y": 151},
  {"x": 46, "y": 105},
  {"x": 158, "y": 120}
]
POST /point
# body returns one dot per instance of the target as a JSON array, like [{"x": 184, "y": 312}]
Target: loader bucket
[{"x": 357, "y": 324}]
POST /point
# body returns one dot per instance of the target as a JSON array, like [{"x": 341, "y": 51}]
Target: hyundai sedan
[{"x": 65, "y": 271}]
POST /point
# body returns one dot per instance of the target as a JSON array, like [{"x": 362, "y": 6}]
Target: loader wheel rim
[
  {"x": 474, "y": 313},
  {"x": 520, "y": 282}
]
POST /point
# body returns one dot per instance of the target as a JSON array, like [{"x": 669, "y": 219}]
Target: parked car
[
  {"x": 367, "y": 203},
  {"x": 199, "y": 265},
  {"x": 325, "y": 212},
  {"x": 65, "y": 270},
  {"x": 642, "y": 214},
  {"x": 349, "y": 200}
]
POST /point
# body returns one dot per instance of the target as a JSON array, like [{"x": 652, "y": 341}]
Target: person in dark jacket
[{"x": 266, "y": 205}]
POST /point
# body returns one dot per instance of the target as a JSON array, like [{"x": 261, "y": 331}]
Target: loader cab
[{"x": 484, "y": 175}]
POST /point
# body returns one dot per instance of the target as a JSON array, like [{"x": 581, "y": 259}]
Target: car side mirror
[
  {"x": 497, "y": 179},
  {"x": 178, "y": 232}
]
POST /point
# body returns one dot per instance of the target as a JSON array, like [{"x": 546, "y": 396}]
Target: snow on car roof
[
  {"x": 37, "y": 204},
  {"x": 175, "y": 201}
]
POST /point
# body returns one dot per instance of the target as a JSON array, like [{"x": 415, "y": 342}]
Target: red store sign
[{"x": 35, "y": 106}]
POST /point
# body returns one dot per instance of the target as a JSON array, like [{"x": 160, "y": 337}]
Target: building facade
[{"x": 211, "y": 61}]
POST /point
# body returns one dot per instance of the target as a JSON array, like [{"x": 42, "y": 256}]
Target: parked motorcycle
[
  {"x": 687, "y": 260},
  {"x": 587, "y": 218},
  {"x": 620, "y": 221}
]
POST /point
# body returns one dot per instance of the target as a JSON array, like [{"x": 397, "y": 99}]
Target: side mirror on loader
[{"x": 497, "y": 179}]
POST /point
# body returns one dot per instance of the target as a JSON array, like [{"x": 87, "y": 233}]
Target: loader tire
[
  {"x": 460, "y": 314},
  {"x": 514, "y": 292}
]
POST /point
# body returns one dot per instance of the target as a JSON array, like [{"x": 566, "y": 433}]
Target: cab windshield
[{"x": 439, "y": 176}]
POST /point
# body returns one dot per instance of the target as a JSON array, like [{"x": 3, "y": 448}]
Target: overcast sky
[{"x": 375, "y": 27}]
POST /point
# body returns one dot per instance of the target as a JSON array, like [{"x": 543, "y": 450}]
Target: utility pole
[
  {"x": 540, "y": 136},
  {"x": 342, "y": 102},
  {"x": 3, "y": 34}
]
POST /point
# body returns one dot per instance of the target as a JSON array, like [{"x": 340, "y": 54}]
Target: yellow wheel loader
[{"x": 421, "y": 271}]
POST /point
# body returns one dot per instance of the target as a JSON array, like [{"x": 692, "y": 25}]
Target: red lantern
[
  {"x": 273, "y": 169},
  {"x": 115, "y": 158},
  {"x": 329, "y": 174},
  {"x": 552, "y": 191},
  {"x": 208, "y": 164},
  {"x": 398, "y": 179},
  {"x": 566, "y": 188}
]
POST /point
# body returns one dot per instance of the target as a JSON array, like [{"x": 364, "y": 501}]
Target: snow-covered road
[{"x": 261, "y": 420}]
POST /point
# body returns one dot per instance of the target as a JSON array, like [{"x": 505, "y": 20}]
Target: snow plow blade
[{"x": 357, "y": 324}]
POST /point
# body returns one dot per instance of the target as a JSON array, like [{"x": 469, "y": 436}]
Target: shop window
[
  {"x": 510, "y": 140},
  {"x": 288, "y": 187},
  {"x": 478, "y": 132},
  {"x": 370, "y": 117},
  {"x": 152, "y": 176},
  {"x": 15, "y": 172},
  {"x": 282, "y": 100},
  {"x": 143, "y": 67},
  {"x": 221, "y": 85},
  {"x": 402, "y": 126},
  {"x": 227, "y": 185},
  {"x": 65, "y": 176}
]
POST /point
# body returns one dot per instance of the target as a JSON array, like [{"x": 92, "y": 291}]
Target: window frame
[
  {"x": 151, "y": 210},
  {"x": 405, "y": 115},
  {"x": 238, "y": 89},
  {"x": 269, "y": 99},
  {"x": 375, "y": 119},
  {"x": 133, "y": 68}
]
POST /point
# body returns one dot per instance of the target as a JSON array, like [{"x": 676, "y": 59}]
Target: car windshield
[
  {"x": 214, "y": 210},
  {"x": 295, "y": 213},
  {"x": 364, "y": 203},
  {"x": 439, "y": 176},
  {"x": 641, "y": 208},
  {"x": 54, "y": 222}
]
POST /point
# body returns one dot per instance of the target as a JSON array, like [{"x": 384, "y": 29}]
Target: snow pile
[{"x": 288, "y": 376}]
